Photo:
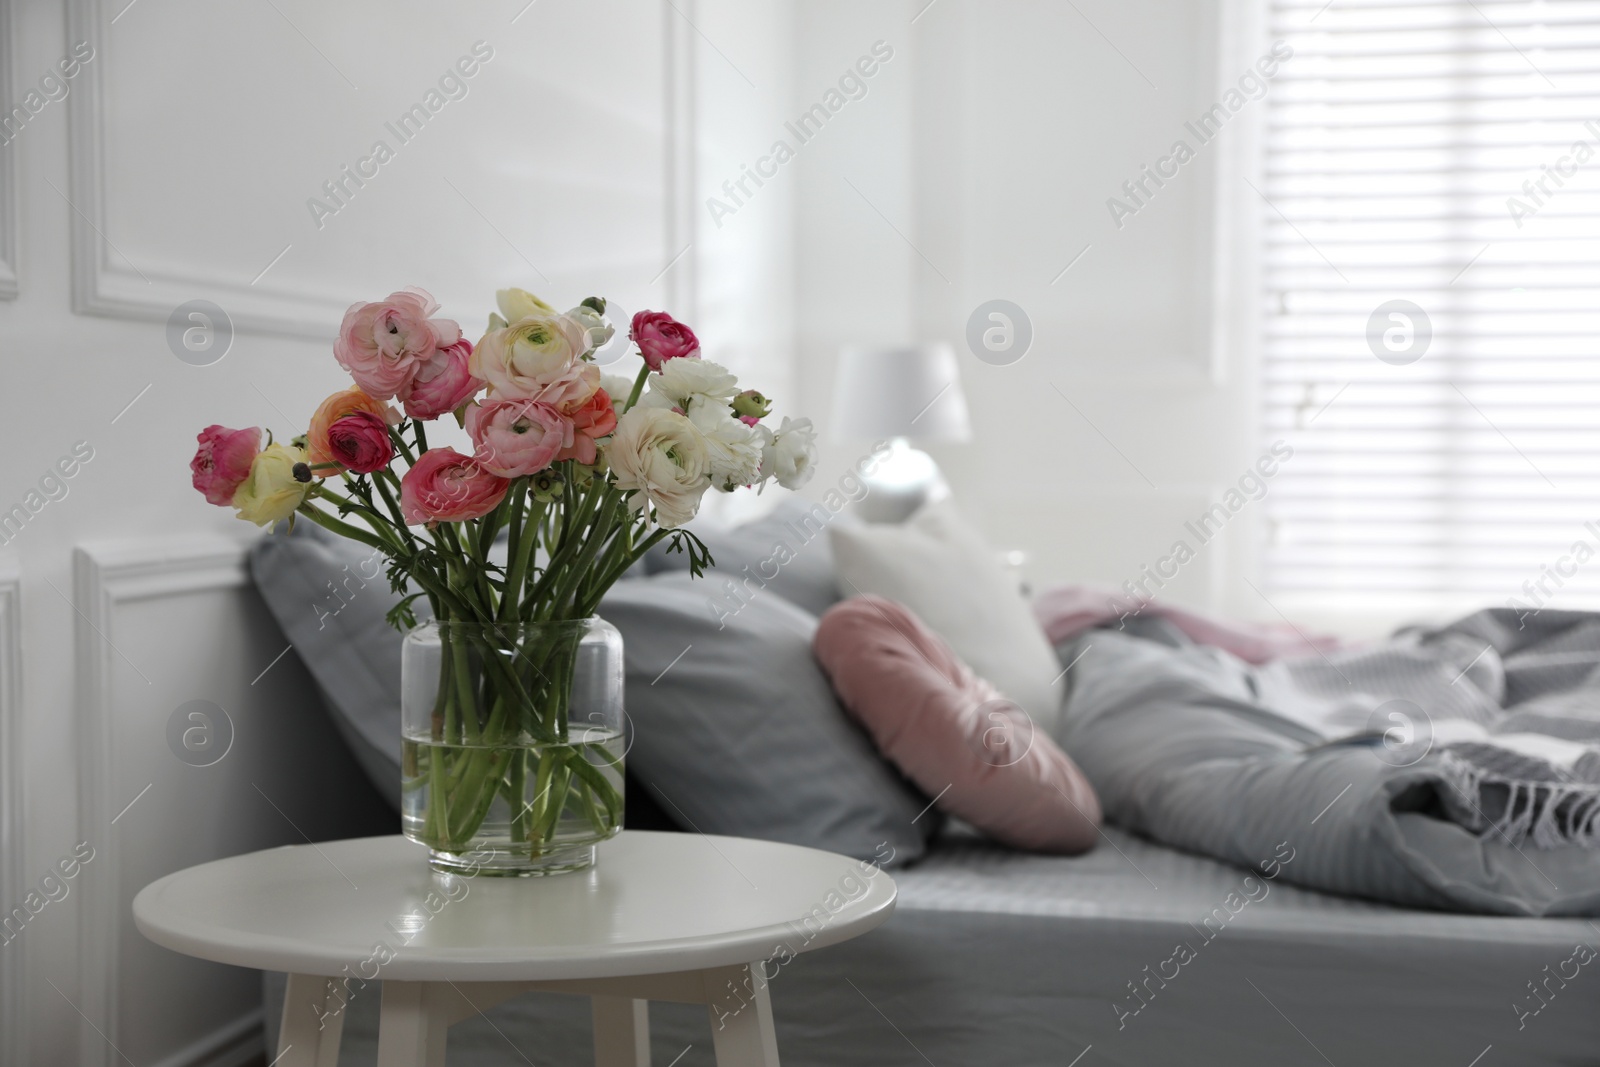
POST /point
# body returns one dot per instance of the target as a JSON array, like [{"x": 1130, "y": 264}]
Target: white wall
[
  {"x": 991, "y": 143},
  {"x": 977, "y": 165},
  {"x": 188, "y": 148}
]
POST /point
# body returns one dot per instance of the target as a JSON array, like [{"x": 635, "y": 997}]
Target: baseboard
[
  {"x": 240, "y": 1043},
  {"x": 13, "y": 955}
]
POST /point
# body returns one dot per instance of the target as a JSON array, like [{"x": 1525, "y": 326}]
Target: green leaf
[
  {"x": 401, "y": 617},
  {"x": 699, "y": 554}
]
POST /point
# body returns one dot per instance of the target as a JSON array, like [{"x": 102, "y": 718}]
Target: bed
[
  {"x": 1135, "y": 953},
  {"x": 1001, "y": 958}
]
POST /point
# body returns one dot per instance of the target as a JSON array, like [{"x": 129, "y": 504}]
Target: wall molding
[
  {"x": 13, "y": 855},
  {"x": 104, "y": 282},
  {"x": 105, "y": 578},
  {"x": 8, "y": 161}
]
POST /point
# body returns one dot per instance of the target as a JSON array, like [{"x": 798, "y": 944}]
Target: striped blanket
[
  {"x": 1454, "y": 767},
  {"x": 1504, "y": 706}
]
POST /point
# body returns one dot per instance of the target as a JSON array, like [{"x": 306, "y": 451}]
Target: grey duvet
[{"x": 1456, "y": 768}]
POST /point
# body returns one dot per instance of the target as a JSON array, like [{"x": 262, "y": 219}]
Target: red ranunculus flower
[{"x": 661, "y": 337}]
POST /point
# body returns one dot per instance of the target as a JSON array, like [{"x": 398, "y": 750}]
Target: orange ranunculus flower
[{"x": 591, "y": 420}]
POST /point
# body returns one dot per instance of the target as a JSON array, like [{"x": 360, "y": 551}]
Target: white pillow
[{"x": 942, "y": 569}]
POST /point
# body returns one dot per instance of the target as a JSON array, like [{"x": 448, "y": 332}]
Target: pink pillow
[{"x": 951, "y": 732}]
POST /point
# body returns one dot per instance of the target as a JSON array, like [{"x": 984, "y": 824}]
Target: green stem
[
  {"x": 394, "y": 534},
  {"x": 555, "y": 801},
  {"x": 342, "y": 528},
  {"x": 638, "y": 387},
  {"x": 462, "y": 669},
  {"x": 596, "y": 781},
  {"x": 574, "y": 570},
  {"x": 518, "y": 798},
  {"x": 528, "y": 550},
  {"x": 401, "y": 446},
  {"x": 542, "y": 788},
  {"x": 515, "y": 559},
  {"x": 611, "y": 570},
  {"x": 381, "y": 480},
  {"x": 483, "y": 799},
  {"x": 560, "y": 563}
]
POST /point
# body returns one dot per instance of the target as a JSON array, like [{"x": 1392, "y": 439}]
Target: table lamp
[{"x": 903, "y": 393}]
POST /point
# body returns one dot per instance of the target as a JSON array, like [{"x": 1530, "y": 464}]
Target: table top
[{"x": 655, "y": 902}]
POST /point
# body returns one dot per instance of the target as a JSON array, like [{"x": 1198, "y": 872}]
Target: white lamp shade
[{"x": 909, "y": 391}]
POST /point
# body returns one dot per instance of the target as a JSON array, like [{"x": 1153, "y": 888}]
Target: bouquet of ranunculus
[{"x": 572, "y": 476}]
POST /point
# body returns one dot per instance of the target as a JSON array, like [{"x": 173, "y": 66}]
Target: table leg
[
  {"x": 741, "y": 1028},
  {"x": 413, "y": 1025},
  {"x": 313, "y": 1020},
  {"x": 621, "y": 1032}
]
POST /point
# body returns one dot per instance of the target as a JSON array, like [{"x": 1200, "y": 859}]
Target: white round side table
[{"x": 662, "y": 916}]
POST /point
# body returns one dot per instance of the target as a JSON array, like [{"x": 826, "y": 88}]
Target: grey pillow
[
  {"x": 331, "y": 595},
  {"x": 736, "y": 730},
  {"x": 760, "y": 753},
  {"x": 784, "y": 552}
]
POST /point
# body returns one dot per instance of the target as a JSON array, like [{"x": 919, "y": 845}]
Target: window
[{"x": 1431, "y": 301}]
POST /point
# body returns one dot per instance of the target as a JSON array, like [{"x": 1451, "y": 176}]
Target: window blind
[{"x": 1446, "y": 154}]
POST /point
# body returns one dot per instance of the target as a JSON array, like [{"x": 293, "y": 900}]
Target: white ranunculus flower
[
  {"x": 686, "y": 383},
  {"x": 617, "y": 388},
  {"x": 594, "y": 324},
  {"x": 733, "y": 447},
  {"x": 791, "y": 454},
  {"x": 660, "y": 454}
]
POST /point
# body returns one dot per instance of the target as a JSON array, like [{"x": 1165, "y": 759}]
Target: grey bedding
[
  {"x": 1388, "y": 769},
  {"x": 996, "y": 958}
]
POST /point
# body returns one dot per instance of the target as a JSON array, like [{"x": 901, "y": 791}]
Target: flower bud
[
  {"x": 596, "y": 329},
  {"x": 301, "y": 472},
  {"x": 596, "y": 302},
  {"x": 751, "y": 404},
  {"x": 547, "y": 485}
]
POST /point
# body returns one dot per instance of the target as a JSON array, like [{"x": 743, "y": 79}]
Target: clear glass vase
[{"x": 512, "y": 744}]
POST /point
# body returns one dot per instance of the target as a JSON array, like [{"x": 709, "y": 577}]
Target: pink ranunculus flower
[
  {"x": 445, "y": 486},
  {"x": 517, "y": 437},
  {"x": 360, "y": 441},
  {"x": 443, "y": 383},
  {"x": 384, "y": 344},
  {"x": 344, "y": 403},
  {"x": 223, "y": 460},
  {"x": 661, "y": 337}
]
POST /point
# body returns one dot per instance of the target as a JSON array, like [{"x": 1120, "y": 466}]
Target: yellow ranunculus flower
[
  {"x": 520, "y": 304},
  {"x": 272, "y": 490}
]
